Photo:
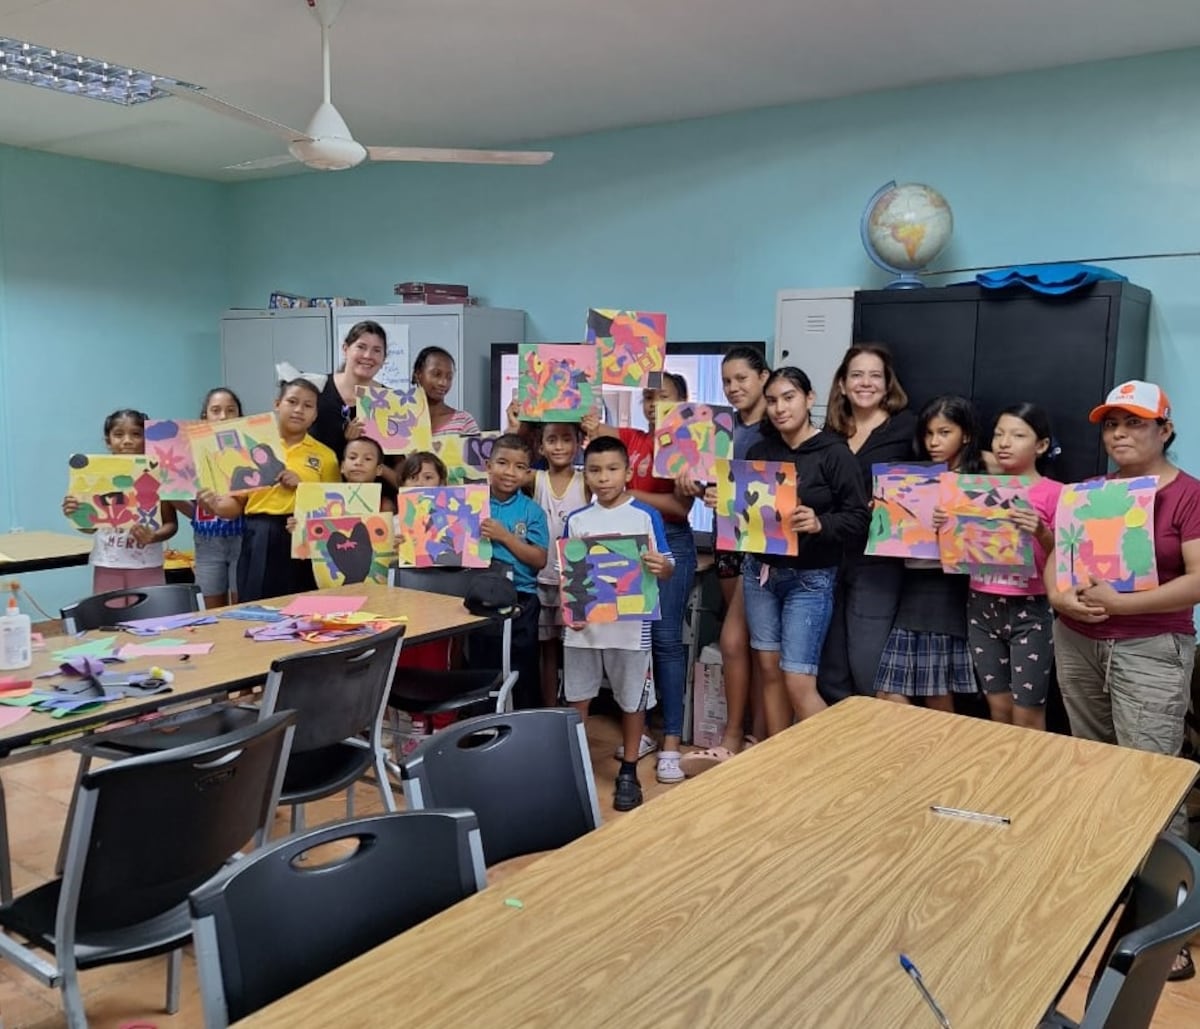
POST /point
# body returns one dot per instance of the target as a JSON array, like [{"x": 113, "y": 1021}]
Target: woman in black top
[
  {"x": 789, "y": 600},
  {"x": 363, "y": 353},
  {"x": 868, "y": 407}
]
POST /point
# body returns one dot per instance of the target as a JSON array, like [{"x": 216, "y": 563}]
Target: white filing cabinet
[
  {"x": 467, "y": 333},
  {"x": 813, "y": 329},
  {"x": 254, "y": 342}
]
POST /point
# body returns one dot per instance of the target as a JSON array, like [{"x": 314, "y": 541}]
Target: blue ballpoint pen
[{"x": 915, "y": 976}]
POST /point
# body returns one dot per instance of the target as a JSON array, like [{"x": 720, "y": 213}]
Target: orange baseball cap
[{"x": 1136, "y": 397}]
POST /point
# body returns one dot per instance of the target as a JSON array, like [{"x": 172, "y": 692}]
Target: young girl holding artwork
[
  {"x": 926, "y": 652},
  {"x": 266, "y": 567},
  {"x": 125, "y": 559},
  {"x": 558, "y": 489},
  {"x": 789, "y": 600},
  {"x": 218, "y": 541},
  {"x": 743, "y": 376},
  {"x": 1010, "y": 624}
]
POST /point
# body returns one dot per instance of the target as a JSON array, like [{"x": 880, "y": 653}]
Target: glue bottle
[{"x": 16, "y": 636}]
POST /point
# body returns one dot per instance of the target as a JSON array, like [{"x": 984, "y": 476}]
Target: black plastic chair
[
  {"x": 421, "y": 691},
  {"x": 339, "y": 694},
  {"x": 106, "y": 609},
  {"x": 145, "y": 833},
  {"x": 283, "y": 916},
  {"x": 1161, "y": 914},
  {"x": 527, "y": 775}
]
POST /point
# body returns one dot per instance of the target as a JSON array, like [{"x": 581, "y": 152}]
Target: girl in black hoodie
[{"x": 789, "y": 600}]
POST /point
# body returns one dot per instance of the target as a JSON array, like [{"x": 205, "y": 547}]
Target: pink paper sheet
[
  {"x": 9, "y": 715},
  {"x": 319, "y": 605},
  {"x": 132, "y": 650}
]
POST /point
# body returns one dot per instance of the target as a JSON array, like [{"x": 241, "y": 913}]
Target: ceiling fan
[{"x": 326, "y": 144}]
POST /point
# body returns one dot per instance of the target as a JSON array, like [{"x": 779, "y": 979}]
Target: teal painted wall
[
  {"x": 707, "y": 219},
  {"x": 111, "y": 285}
]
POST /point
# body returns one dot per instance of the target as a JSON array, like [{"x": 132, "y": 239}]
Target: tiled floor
[{"x": 128, "y": 995}]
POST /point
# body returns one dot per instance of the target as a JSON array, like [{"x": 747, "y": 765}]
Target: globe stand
[{"x": 906, "y": 280}]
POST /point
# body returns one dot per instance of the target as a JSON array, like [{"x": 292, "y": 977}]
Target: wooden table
[
  {"x": 37, "y": 551},
  {"x": 235, "y": 662},
  {"x": 779, "y": 888}
]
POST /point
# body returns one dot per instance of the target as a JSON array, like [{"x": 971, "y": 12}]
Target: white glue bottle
[{"x": 16, "y": 637}]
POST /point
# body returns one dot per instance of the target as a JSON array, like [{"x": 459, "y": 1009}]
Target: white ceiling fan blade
[
  {"x": 262, "y": 162},
  {"x": 198, "y": 96},
  {"x": 449, "y": 156}
]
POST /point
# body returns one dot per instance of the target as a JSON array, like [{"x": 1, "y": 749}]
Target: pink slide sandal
[{"x": 702, "y": 760}]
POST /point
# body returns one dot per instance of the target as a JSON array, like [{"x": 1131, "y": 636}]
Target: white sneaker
[
  {"x": 647, "y": 745},
  {"x": 668, "y": 767}
]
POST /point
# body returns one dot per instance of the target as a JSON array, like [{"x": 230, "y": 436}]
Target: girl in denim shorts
[{"x": 789, "y": 600}]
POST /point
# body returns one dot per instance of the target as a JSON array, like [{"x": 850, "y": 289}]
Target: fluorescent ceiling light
[{"x": 88, "y": 77}]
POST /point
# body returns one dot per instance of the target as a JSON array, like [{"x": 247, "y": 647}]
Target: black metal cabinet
[{"x": 1000, "y": 347}]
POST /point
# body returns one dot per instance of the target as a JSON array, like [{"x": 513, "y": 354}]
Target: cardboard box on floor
[{"x": 708, "y": 699}]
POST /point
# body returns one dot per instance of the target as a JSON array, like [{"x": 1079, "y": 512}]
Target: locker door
[{"x": 248, "y": 361}]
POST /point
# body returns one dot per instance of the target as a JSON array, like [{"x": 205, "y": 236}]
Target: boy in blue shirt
[
  {"x": 520, "y": 535},
  {"x": 616, "y": 651}
]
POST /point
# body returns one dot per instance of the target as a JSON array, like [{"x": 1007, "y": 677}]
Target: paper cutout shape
[
  {"x": 239, "y": 456},
  {"x": 557, "y": 382},
  {"x": 132, "y": 650},
  {"x": 689, "y": 436},
  {"x": 398, "y": 420},
  {"x": 310, "y": 604},
  {"x": 439, "y": 527},
  {"x": 169, "y": 446},
  {"x": 465, "y": 457},
  {"x": 115, "y": 491},
  {"x": 348, "y": 550},
  {"x": 1105, "y": 528},
  {"x": 632, "y": 346},
  {"x": 331, "y": 500},
  {"x": 602, "y": 579},
  {"x": 979, "y": 532},
  {"x": 904, "y": 497},
  {"x": 755, "y": 502},
  {"x": 10, "y": 715}
]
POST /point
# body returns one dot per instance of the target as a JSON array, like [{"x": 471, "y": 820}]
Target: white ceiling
[{"x": 500, "y": 72}]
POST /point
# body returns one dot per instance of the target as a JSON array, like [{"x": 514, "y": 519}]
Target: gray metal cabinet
[
  {"x": 254, "y": 342},
  {"x": 467, "y": 333}
]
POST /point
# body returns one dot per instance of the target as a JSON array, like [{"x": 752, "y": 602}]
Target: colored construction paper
[
  {"x": 465, "y": 457},
  {"x": 132, "y": 650},
  {"x": 558, "y": 381},
  {"x": 114, "y": 491},
  {"x": 691, "y": 437},
  {"x": 348, "y": 550},
  {"x": 904, "y": 497},
  {"x": 253, "y": 613},
  {"x": 168, "y": 445},
  {"x": 167, "y": 623},
  {"x": 398, "y": 420},
  {"x": 440, "y": 527},
  {"x": 102, "y": 647},
  {"x": 237, "y": 456},
  {"x": 631, "y": 345},
  {"x": 755, "y": 502},
  {"x": 331, "y": 500},
  {"x": 1104, "y": 529},
  {"x": 314, "y": 604},
  {"x": 10, "y": 714},
  {"x": 979, "y": 532},
  {"x": 603, "y": 579}
]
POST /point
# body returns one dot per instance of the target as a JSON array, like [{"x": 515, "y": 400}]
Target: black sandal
[{"x": 1186, "y": 969}]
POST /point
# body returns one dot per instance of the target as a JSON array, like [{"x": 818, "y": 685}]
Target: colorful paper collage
[
  {"x": 979, "y": 531},
  {"x": 755, "y": 502},
  {"x": 690, "y": 437},
  {"x": 237, "y": 456},
  {"x": 603, "y": 580},
  {"x": 331, "y": 500},
  {"x": 558, "y": 381},
  {"x": 440, "y": 527},
  {"x": 398, "y": 420},
  {"x": 904, "y": 497},
  {"x": 632, "y": 346},
  {"x": 465, "y": 457},
  {"x": 350, "y": 549},
  {"x": 167, "y": 444},
  {"x": 115, "y": 491},
  {"x": 1104, "y": 529}
]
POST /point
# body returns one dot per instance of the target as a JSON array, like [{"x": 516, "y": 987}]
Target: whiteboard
[{"x": 397, "y": 368}]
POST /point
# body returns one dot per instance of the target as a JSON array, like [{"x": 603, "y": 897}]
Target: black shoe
[
  {"x": 628, "y": 794},
  {"x": 1186, "y": 968}
]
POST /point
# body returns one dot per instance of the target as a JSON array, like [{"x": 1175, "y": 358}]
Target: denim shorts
[
  {"x": 216, "y": 564},
  {"x": 789, "y": 612}
]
